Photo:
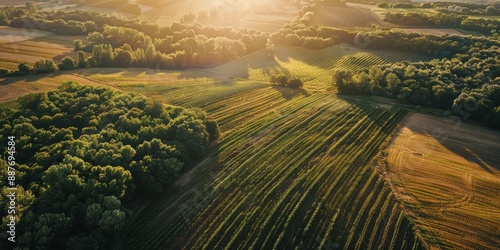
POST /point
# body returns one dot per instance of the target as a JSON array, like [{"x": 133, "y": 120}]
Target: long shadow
[
  {"x": 366, "y": 106},
  {"x": 29, "y": 78},
  {"x": 289, "y": 93},
  {"x": 475, "y": 143}
]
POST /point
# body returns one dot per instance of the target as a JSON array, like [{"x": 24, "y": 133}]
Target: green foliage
[
  {"x": 24, "y": 68},
  {"x": 44, "y": 66},
  {"x": 4, "y": 71},
  {"x": 82, "y": 61},
  {"x": 78, "y": 45},
  {"x": 279, "y": 79},
  {"x": 124, "y": 58},
  {"x": 295, "y": 83},
  {"x": 466, "y": 84},
  {"x": 31, "y": 101},
  {"x": 102, "y": 55},
  {"x": 31, "y": 7},
  {"x": 88, "y": 150},
  {"x": 67, "y": 63}
]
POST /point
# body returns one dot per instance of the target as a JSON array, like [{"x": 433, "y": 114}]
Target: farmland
[
  {"x": 26, "y": 45},
  {"x": 238, "y": 14},
  {"x": 294, "y": 150},
  {"x": 344, "y": 17},
  {"x": 289, "y": 169},
  {"x": 447, "y": 175},
  {"x": 292, "y": 168}
]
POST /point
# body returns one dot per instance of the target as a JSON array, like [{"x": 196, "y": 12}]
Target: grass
[{"x": 447, "y": 175}]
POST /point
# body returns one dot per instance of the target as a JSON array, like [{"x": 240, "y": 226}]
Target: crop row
[{"x": 291, "y": 171}]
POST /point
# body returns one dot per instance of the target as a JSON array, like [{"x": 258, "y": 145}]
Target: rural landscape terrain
[{"x": 266, "y": 124}]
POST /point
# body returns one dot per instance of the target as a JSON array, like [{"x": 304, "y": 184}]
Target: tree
[
  {"x": 490, "y": 10},
  {"x": 280, "y": 79},
  {"x": 67, "y": 63},
  {"x": 376, "y": 76},
  {"x": 82, "y": 61},
  {"x": 393, "y": 83},
  {"x": 44, "y": 66},
  {"x": 124, "y": 58},
  {"x": 154, "y": 108},
  {"x": 78, "y": 45},
  {"x": 342, "y": 79},
  {"x": 24, "y": 68},
  {"x": 295, "y": 83},
  {"x": 31, "y": 7}
]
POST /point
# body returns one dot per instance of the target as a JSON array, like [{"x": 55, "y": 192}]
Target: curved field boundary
[{"x": 446, "y": 174}]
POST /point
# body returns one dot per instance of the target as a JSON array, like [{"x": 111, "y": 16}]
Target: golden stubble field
[
  {"x": 264, "y": 15},
  {"x": 447, "y": 175},
  {"x": 19, "y": 45}
]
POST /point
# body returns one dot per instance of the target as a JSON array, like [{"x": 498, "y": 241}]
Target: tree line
[
  {"x": 468, "y": 84},
  {"x": 83, "y": 152},
  {"x": 481, "y": 25},
  {"x": 450, "y": 7}
]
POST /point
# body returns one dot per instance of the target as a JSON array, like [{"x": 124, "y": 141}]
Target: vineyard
[
  {"x": 363, "y": 60},
  {"x": 292, "y": 170},
  {"x": 295, "y": 168},
  {"x": 447, "y": 175}
]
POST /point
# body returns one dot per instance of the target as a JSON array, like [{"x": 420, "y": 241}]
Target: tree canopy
[{"x": 83, "y": 151}]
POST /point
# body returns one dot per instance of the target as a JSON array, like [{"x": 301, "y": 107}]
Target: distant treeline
[
  {"x": 456, "y": 7},
  {"x": 481, "y": 25},
  {"x": 468, "y": 84},
  {"x": 82, "y": 152},
  {"x": 322, "y": 36}
]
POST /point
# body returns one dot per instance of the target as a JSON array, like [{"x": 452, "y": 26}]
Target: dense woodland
[
  {"x": 481, "y": 25},
  {"x": 82, "y": 152},
  {"x": 452, "y": 7},
  {"x": 467, "y": 84}
]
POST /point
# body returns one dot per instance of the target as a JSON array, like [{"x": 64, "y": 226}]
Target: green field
[{"x": 292, "y": 169}]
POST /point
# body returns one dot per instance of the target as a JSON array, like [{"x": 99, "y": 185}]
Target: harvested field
[
  {"x": 21, "y": 45},
  {"x": 14, "y": 35},
  {"x": 264, "y": 15},
  {"x": 344, "y": 17},
  {"x": 447, "y": 175}
]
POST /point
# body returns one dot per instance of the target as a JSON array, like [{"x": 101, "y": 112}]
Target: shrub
[
  {"x": 295, "y": 83},
  {"x": 3, "y": 71},
  {"x": 44, "y": 66},
  {"x": 67, "y": 63},
  {"x": 24, "y": 68},
  {"x": 280, "y": 79}
]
